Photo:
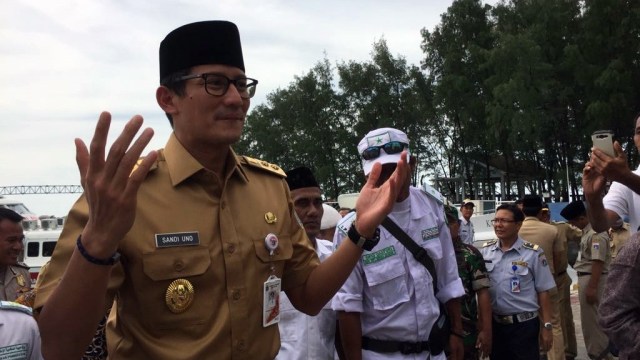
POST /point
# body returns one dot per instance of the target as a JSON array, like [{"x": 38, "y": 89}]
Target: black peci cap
[
  {"x": 573, "y": 210},
  {"x": 199, "y": 43},
  {"x": 301, "y": 177}
]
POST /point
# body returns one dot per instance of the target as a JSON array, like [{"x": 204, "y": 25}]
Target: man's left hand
[
  {"x": 591, "y": 295},
  {"x": 457, "y": 348},
  {"x": 546, "y": 340}
]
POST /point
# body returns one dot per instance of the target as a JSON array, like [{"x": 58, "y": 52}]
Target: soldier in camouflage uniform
[{"x": 475, "y": 280}]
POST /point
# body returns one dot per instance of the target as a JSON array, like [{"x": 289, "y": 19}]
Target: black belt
[
  {"x": 390, "y": 346},
  {"x": 582, "y": 273},
  {"x": 516, "y": 318}
]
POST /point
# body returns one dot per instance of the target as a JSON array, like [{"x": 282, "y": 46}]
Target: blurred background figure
[
  {"x": 330, "y": 219},
  {"x": 14, "y": 276},
  {"x": 619, "y": 234}
]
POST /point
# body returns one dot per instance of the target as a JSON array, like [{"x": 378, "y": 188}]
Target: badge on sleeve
[
  {"x": 596, "y": 246},
  {"x": 271, "y": 302}
]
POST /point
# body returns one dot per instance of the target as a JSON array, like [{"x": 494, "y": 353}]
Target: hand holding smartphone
[{"x": 603, "y": 140}]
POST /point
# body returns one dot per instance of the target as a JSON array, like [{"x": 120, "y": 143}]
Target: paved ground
[{"x": 575, "y": 306}]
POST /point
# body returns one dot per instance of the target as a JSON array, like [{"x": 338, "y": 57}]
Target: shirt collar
[{"x": 182, "y": 164}]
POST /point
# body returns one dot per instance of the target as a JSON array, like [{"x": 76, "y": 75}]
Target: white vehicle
[{"x": 39, "y": 243}]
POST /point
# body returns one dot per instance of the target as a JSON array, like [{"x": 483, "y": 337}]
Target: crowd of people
[{"x": 195, "y": 252}]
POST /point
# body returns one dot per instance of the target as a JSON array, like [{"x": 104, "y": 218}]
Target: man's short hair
[
  {"x": 518, "y": 215},
  {"x": 531, "y": 205},
  {"x": 10, "y": 215}
]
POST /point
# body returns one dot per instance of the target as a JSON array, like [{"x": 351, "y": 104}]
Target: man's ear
[{"x": 165, "y": 98}]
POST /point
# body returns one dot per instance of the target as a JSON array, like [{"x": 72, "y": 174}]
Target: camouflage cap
[{"x": 451, "y": 213}]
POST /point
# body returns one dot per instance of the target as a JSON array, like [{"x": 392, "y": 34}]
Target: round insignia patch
[{"x": 179, "y": 296}]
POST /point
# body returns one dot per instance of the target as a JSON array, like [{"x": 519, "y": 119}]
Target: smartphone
[{"x": 603, "y": 140}]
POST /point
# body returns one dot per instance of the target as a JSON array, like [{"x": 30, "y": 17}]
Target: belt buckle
[
  {"x": 506, "y": 319},
  {"x": 525, "y": 316},
  {"x": 407, "y": 348}
]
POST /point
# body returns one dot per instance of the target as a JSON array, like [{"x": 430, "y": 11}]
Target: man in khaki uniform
[
  {"x": 546, "y": 236},
  {"x": 592, "y": 266},
  {"x": 14, "y": 276},
  {"x": 193, "y": 242},
  {"x": 619, "y": 234},
  {"x": 569, "y": 235}
]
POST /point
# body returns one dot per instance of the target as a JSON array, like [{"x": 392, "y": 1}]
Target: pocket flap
[{"x": 172, "y": 263}]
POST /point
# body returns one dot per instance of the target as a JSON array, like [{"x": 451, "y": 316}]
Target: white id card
[{"x": 271, "y": 303}]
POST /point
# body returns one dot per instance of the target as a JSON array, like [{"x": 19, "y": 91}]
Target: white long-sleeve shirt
[{"x": 304, "y": 337}]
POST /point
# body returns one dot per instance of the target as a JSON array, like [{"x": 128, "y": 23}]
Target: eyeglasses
[
  {"x": 217, "y": 85},
  {"x": 393, "y": 147},
  {"x": 501, "y": 221}
]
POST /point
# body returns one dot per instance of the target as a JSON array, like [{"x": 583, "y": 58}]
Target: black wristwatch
[{"x": 361, "y": 241}]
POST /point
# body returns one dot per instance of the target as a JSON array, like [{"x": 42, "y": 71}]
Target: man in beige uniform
[
  {"x": 592, "y": 267},
  {"x": 619, "y": 234},
  {"x": 14, "y": 276},
  {"x": 546, "y": 236},
  {"x": 193, "y": 242},
  {"x": 568, "y": 235}
]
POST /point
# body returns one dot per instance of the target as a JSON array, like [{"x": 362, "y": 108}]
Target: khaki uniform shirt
[
  {"x": 16, "y": 281},
  {"x": 570, "y": 239},
  {"x": 593, "y": 246},
  {"x": 544, "y": 235},
  {"x": 619, "y": 238},
  {"x": 224, "y": 258}
]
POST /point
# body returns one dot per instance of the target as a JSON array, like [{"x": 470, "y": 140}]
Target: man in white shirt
[
  {"x": 387, "y": 307},
  {"x": 19, "y": 334},
  {"x": 302, "y": 336},
  {"x": 466, "y": 227}
]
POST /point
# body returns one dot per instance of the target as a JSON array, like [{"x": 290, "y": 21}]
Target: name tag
[{"x": 177, "y": 239}]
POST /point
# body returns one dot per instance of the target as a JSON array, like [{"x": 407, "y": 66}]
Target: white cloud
[{"x": 65, "y": 61}]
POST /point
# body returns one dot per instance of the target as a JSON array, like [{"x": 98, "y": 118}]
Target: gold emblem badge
[
  {"x": 20, "y": 280},
  {"x": 270, "y": 218},
  {"x": 179, "y": 295}
]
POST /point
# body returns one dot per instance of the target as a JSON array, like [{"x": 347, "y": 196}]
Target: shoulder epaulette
[
  {"x": 22, "y": 265},
  {"x": 153, "y": 166},
  {"x": 264, "y": 165},
  {"x": 9, "y": 305},
  {"x": 489, "y": 243},
  {"x": 432, "y": 193},
  {"x": 531, "y": 246}
]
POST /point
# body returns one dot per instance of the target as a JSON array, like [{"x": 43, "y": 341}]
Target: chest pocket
[
  {"x": 191, "y": 263},
  {"x": 387, "y": 283},
  {"x": 521, "y": 270}
]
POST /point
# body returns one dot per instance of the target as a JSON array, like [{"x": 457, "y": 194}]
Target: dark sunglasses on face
[{"x": 393, "y": 147}]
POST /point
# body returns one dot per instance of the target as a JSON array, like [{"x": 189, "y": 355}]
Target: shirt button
[
  {"x": 231, "y": 249},
  {"x": 178, "y": 265},
  {"x": 241, "y": 345},
  {"x": 236, "y": 295}
]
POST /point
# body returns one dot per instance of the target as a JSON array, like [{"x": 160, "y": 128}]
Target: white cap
[
  {"x": 330, "y": 217},
  {"x": 380, "y": 137}
]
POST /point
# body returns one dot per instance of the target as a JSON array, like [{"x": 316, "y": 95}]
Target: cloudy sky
[{"x": 65, "y": 61}]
